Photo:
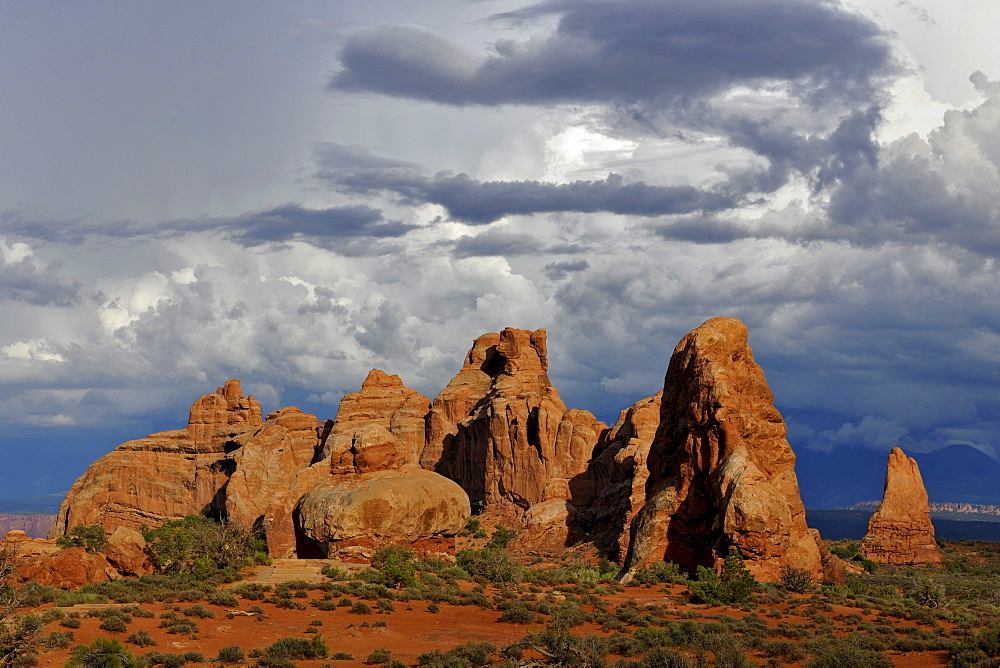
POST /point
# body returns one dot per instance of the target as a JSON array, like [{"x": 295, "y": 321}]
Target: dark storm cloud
[
  {"x": 320, "y": 226},
  {"x": 635, "y": 51},
  {"x": 480, "y": 202},
  {"x": 343, "y": 225},
  {"x": 27, "y": 283},
  {"x": 557, "y": 271}
]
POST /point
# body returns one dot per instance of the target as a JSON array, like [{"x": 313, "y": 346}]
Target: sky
[{"x": 294, "y": 193}]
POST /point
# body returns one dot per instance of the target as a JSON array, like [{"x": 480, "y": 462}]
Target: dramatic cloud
[
  {"x": 636, "y": 51},
  {"x": 24, "y": 279}
]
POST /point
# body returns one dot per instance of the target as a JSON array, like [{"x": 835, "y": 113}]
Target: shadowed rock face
[
  {"x": 619, "y": 475},
  {"x": 166, "y": 475},
  {"x": 721, "y": 474},
  {"x": 501, "y": 431},
  {"x": 900, "y": 531}
]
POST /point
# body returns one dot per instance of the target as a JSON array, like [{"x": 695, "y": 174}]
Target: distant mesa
[
  {"x": 689, "y": 474},
  {"x": 900, "y": 531}
]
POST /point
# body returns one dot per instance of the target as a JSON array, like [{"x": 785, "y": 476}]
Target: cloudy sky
[{"x": 293, "y": 193}]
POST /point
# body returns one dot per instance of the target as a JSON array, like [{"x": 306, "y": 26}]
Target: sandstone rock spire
[
  {"x": 500, "y": 430},
  {"x": 721, "y": 474},
  {"x": 900, "y": 531}
]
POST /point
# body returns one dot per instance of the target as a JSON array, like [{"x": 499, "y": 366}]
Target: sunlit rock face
[
  {"x": 721, "y": 474},
  {"x": 500, "y": 430},
  {"x": 900, "y": 531},
  {"x": 166, "y": 475}
]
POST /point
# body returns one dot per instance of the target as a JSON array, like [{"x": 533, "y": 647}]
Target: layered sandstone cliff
[
  {"x": 721, "y": 474},
  {"x": 900, "y": 531}
]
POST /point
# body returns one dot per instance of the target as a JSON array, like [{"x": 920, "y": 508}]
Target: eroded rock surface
[
  {"x": 385, "y": 402},
  {"x": 619, "y": 475},
  {"x": 900, "y": 531},
  {"x": 349, "y": 515},
  {"x": 501, "y": 431},
  {"x": 721, "y": 474}
]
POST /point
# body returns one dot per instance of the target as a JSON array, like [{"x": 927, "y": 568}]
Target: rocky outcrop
[
  {"x": 126, "y": 551},
  {"x": 500, "y": 430},
  {"x": 721, "y": 474},
  {"x": 119, "y": 490},
  {"x": 45, "y": 563},
  {"x": 619, "y": 475},
  {"x": 353, "y": 515},
  {"x": 386, "y": 403},
  {"x": 900, "y": 531},
  {"x": 271, "y": 470}
]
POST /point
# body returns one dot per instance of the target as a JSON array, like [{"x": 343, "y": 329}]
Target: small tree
[
  {"x": 394, "y": 567},
  {"x": 19, "y": 634},
  {"x": 734, "y": 586},
  {"x": 91, "y": 538}
]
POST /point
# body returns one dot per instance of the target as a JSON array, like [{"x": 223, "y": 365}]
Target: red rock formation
[
  {"x": 119, "y": 489},
  {"x": 384, "y": 402},
  {"x": 501, "y": 431},
  {"x": 900, "y": 531},
  {"x": 126, "y": 551},
  {"x": 721, "y": 474},
  {"x": 619, "y": 475},
  {"x": 271, "y": 470},
  {"x": 45, "y": 563},
  {"x": 355, "y": 514}
]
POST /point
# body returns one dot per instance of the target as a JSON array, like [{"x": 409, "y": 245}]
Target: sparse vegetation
[{"x": 91, "y": 538}]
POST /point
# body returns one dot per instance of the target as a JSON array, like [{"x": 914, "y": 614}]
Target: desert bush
[
  {"x": 335, "y": 572},
  {"x": 360, "y": 608},
  {"x": 70, "y": 622},
  {"x": 342, "y": 656},
  {"x": 291, "y": 648},
  {"x": 180, "y": 625},
  {"x": 797, "y": 580},
  {"x": 223, "y": 598},
  {"x": 231, "y": 654},
  {"x": 141, "y": 638},
  {"x": 393, "y": 567},
  {"x": 381, "y": 655},
  {"x": 199, "y": 611},
  {"x": 658, "y": 572},
  {"x": 114, "y": 624},
  {"x": 734, "y": 586},
  {"x": 103, "y": 652},
  {"x": 492, "y": 563},
  {"x": 201, "y": 545},
  {"x": 517, "y": 614}
]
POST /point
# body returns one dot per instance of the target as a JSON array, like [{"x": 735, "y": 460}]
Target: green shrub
[
  {"x": 292, "y": 648},
  {"x": 114, "y": 624},
  {"x": 201, "y": 545},
  {"x": 381, "y": 655},
  {"x": 660, "y": 571},
  {"x": 223, "y": 598},
  {"x": 492, "y": 563},
  {"x": 231, "y": 654},
  {"x": 361, "y": 608},
  {"x": 335, "y": 572},
  {"x": 734, "y": 586},
  {"x": 394, "y": 567},
  {"x": 199, "y": 611},
  {"x": 517, "y": 614},
  {"x": 103, "y": 652},
  {"x": 91, "y": 538},
  {"x": 70, "y": 622},
  {"x": 141, "y": 638},
  {"x": 501, "y": 538},
  {"x": 342, "y": 656}
]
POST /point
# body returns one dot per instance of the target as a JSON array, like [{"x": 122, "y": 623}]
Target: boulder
[
  {"x": 126, "y": 551},
  {"x": 351, "y": 515},
  {"x": 721, "y": 474},
  {"x": 900, "y": 531},
  {"x": 44, "y": 562}
]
